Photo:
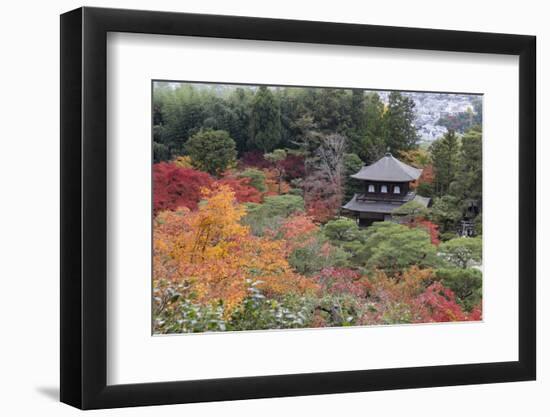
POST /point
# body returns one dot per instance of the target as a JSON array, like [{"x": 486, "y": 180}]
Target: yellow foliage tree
[
  {"x": 183, "y": 161},
  {"x": 217, "y": 255}
]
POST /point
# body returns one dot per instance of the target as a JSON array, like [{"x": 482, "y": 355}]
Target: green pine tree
[
  {"x": 445, "y": 157},
  {"x": 400, "y": 132},
  {"x": 357, "y": 132},
  {"x": 468, "y": 185},
  {"x": 265, "y": 121},
  {"x": 375, "y": 146}
]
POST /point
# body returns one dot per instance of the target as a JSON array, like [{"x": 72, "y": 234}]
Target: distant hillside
[{"x": 437, "y": 111}]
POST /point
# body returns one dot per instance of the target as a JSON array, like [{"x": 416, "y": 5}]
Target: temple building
[{"x": 386, "y": 187}]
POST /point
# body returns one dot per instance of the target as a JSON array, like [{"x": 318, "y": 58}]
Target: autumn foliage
[
  {"x": 244, "y": 192},
  {"x": 275, "y": 185},
  {"x": 323, "y": 198},
  {"x": 427, "y": 175},
  {"x": 208, "y": 258},
  {"x": 217, "y": 256},
  {"x": 254, "y": 159},
  {"x": 294, "y": 167},
  {"x": 414, "y": 297},
  {"x": 177, "y": 187},
  {"x": 249, "y": 226},
  {"x": 430, "y": 227}
]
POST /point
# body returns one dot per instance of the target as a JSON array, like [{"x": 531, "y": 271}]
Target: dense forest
[{"x": 249, "y": 231}]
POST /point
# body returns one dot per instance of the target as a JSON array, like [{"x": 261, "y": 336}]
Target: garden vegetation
[{"x": 248, "y": 231}]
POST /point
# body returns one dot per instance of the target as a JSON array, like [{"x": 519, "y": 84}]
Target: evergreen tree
[
  {"x": 445, "y": 157},
  {"x": 265, "y": 121},
  {"x": 238, "y": 126},
  {"x": 468, "y": 185},
  {"x": 446, "y": 213},
  {"x": 212, "y": 151},
  {"x": 478, "y": 109},
  {"x": 291, "y": 102},
  {"x": 352, "y": 165},
  {"x": 357, "y": 133},
  {"x": 332, "y": 110},
  {"x": 400, "y": 132},
  {"x": 183, "y": 116},
  {"x": 393, "y": 248},
  {"x": 374, "y": 144}
]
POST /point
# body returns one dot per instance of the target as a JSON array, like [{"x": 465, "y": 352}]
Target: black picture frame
[{"x": 84, "y": 207}]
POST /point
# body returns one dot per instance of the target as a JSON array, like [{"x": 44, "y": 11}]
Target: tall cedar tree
[
  {"x": 445, "y": 156},
  {"x": 183, "y": 116},
  {"x": 357, "y": 133},
  {"x": 265, "y": 121},
  {"x": 469, "y": 181},
  {"x": 332, "y": 110},
  {"x": 238, "y": 125},
  {"x": 401, "y": 133},
  {"x": 375, "y": 144}
]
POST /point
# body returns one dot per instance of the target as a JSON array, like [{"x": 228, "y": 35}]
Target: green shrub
[
  {"x": 393, "y": 248},
  {"x": 269, "y": 214},
  {"x": 462, "y": 251},
  {"x": 257, "y": 178},
  {"x": 465, "y": 283}
]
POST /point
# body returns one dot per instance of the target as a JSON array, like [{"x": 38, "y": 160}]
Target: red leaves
[
  {"x": 427, "y": 175},
  {"x": 414, "y": 297},
  {"x": 341, "y": 281},
  {"x": 437, "y": 304},
  {"x": 254, "y": 159},
  {"x": 323, "y": 198},
  {"x": 244, "y": 192},
  {"x": 177, "y": 187},
  {"x": 293, "y": 167},
  {"x": 476, "y": 313},
  {"x": 212, "y": 251},
  {"x": 181, "y": 187},
  {"x": 430, "y": 227},
  {"x": 323, "y": 210},
  {"x": 298, "y": 231}
]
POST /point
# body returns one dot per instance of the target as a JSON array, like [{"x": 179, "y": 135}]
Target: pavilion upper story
[{"x": 386, "y": 186}]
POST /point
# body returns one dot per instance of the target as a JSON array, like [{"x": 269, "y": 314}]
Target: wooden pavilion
[{"x": 387, "y": 186}]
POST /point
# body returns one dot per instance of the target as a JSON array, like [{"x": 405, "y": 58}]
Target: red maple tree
[
  {"x": 177, "y": 187},
  {"x": 244, "y": 192}
]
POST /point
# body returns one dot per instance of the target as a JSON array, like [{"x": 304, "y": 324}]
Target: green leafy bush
[
  {"x": 462, "y": 251},
  {"x": 393, "y": 247},
  {"x": 465, "y": 283},
  {"x": 212, "y": 151},
  {"x": 270, "y": 213},
  {"x": 257, "y": 178}
]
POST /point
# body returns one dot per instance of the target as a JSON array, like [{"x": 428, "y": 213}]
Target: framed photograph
[{"x": 257, "y": 208}]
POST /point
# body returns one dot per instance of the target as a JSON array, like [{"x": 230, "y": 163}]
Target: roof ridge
[
  {"x": 404, "y": 167},
  {"x": 388, "y": 168}
]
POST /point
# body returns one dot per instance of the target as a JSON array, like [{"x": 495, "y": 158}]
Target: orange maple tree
[
  {"x": 274, "y": 184},
  {"x": 218, "y": 257}
]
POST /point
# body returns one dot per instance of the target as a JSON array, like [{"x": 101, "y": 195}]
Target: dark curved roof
[
  {"x": 365, "y": 205},
  {"x": 388, "y": 168}
]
